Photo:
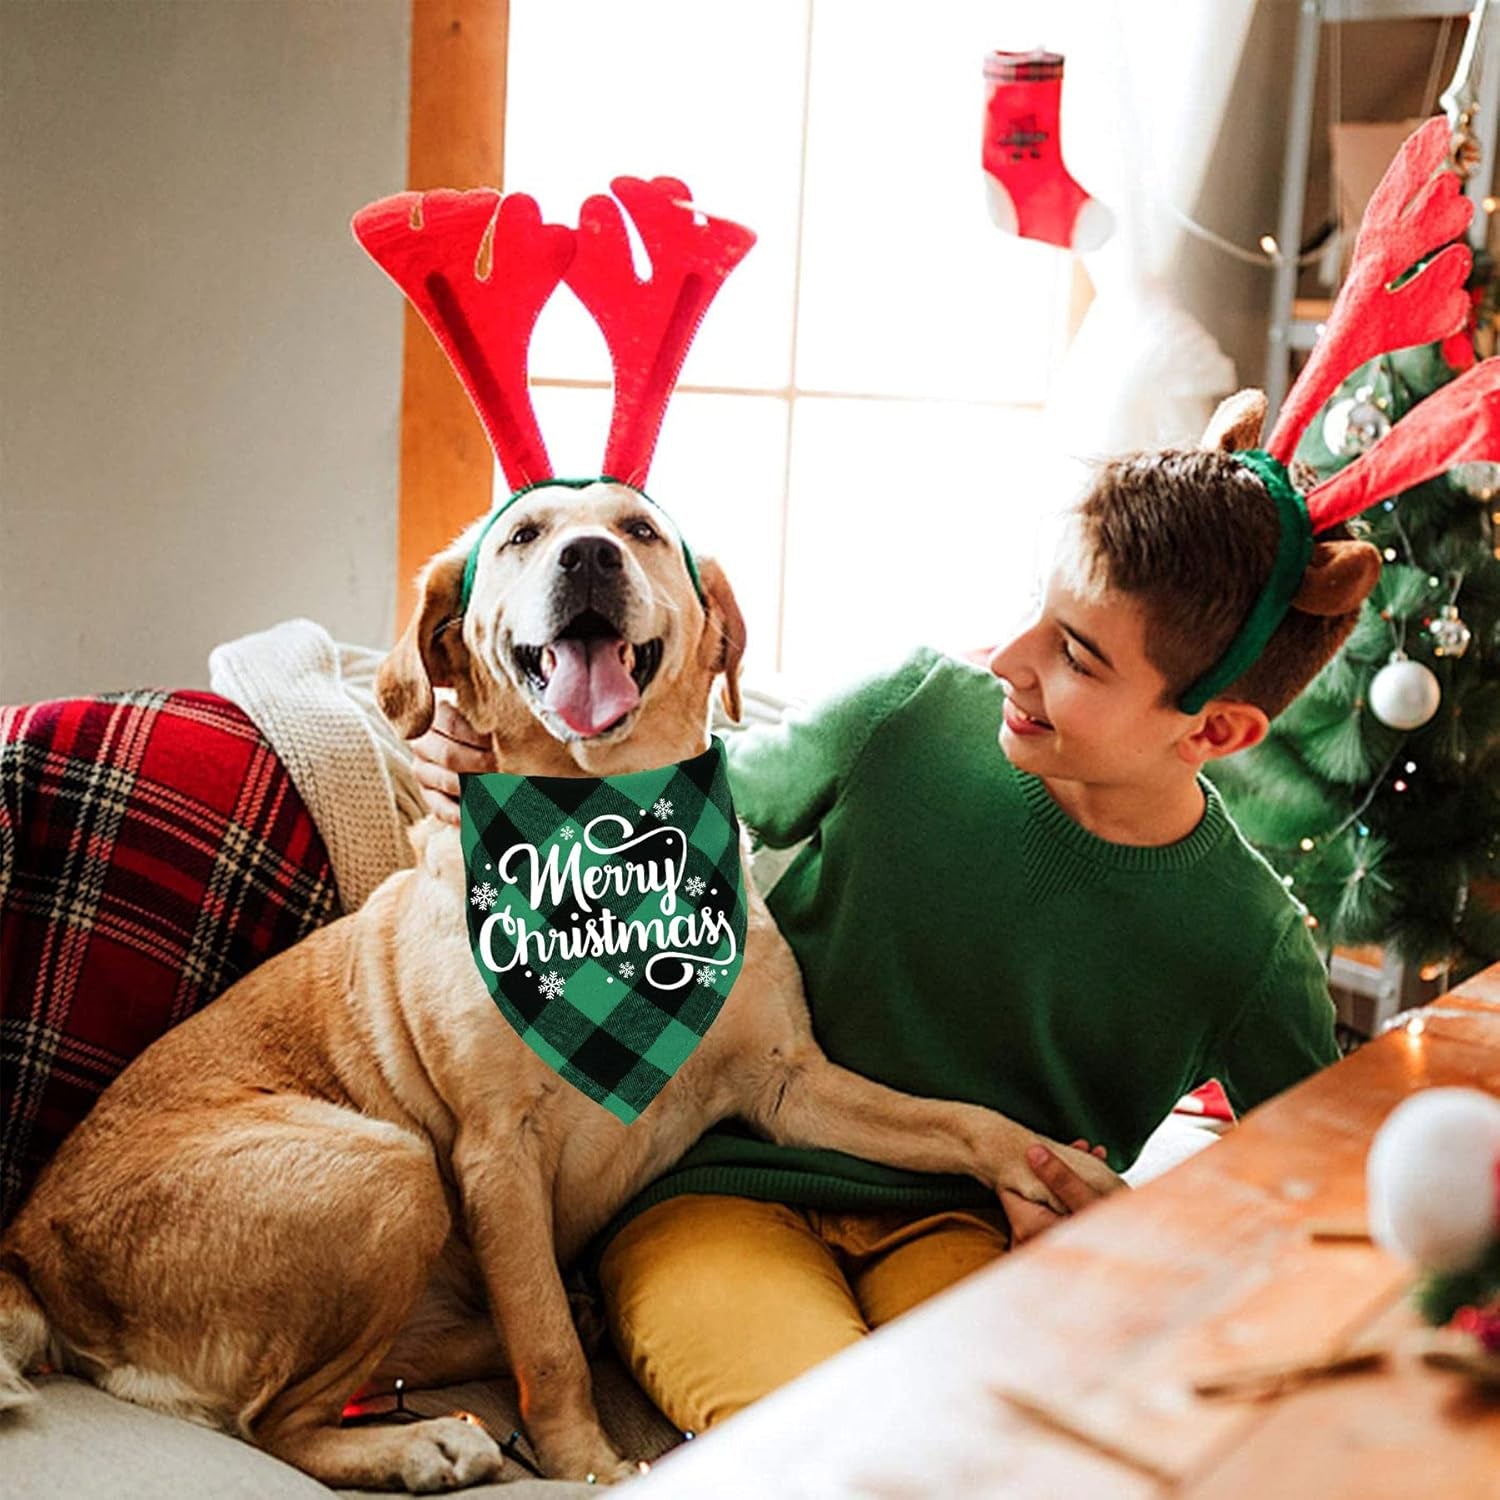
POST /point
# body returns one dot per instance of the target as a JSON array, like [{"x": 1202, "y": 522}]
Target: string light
[
  {"x": 1411, "y": 766},
  {"x": 1269, "y": 245},
  {"x": 1400, "y": 785},
  {"x": 1390, "y": 556},
  {"x": 1306, "y": 845},
  {"x": 1310, "y": 920}
]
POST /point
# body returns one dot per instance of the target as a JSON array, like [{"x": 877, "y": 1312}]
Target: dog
[{"x": 349, "y": 1168}]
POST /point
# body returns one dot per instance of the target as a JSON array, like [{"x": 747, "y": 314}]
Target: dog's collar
[{"x": 471, "y": 563}]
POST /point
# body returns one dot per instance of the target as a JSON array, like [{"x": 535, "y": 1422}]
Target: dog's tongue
[{"x": 589, "y": 688}]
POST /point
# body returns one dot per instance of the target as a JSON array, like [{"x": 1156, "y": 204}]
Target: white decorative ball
[
  {"x": 1404, "y": 694},
  {"x": 1431, "y": 1178}
]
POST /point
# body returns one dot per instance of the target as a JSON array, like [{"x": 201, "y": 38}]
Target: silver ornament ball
[
  {"x": 1450, "y": 635},
  {"x": 1479, "y": 480},
  {"x": 1353, "y": 425},
  {"x": 1404, "y": 694}
]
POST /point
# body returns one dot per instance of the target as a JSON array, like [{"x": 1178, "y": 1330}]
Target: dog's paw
[
  {"x": 1010, "y": 1170},
  {"x": 448, "y": 1453},
  {"x": 593, "y": 1463},
  {"x": 1101, "y": 1178}
]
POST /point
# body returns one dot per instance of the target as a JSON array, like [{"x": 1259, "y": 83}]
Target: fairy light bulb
[{"x": 1306, "y": 846}]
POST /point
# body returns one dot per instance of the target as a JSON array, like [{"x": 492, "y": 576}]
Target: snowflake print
[
  {"x": 694, "y": 885},
  {"x": 551, "y": 984},
  {"x": 627, "y": 971},
  {"x": 483, "y": 895},
  {"x": 566, "y": 831},
  {"x": 706, "y": 975},
  {"x": 662, "y": 808}
]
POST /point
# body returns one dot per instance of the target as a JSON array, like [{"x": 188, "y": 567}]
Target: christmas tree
[{"x": 1376, "y": 795}]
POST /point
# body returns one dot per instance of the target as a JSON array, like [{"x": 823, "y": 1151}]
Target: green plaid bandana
[{"x": 607, "y": 916}]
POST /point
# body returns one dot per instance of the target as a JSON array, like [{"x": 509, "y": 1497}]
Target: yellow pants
[{"x": 716, "y": 1301}]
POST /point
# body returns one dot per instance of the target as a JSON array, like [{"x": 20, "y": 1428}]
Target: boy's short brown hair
[{"x": 1192, "y": 534}]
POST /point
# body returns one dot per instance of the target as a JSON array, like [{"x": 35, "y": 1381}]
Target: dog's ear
[
  {"x": 1236, "y": 423},
  {"x": 430, "y": 653},
  {"x": 722, "y": 646},
  {"x": 1338, "y": 578}
]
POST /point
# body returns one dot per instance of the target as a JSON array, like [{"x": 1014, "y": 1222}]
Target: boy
[{"x": 1060, "y": 922}]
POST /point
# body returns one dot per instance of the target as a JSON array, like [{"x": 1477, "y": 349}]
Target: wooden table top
[{"x": 1067, "y": 1369}]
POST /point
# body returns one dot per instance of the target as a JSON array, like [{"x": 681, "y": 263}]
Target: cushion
[{"x": 153, "y": 850}]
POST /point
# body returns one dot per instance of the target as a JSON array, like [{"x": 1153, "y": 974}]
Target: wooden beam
[{"x": 455, "y": 138}]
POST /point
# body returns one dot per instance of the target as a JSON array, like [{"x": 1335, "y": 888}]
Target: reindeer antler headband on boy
[
  {"x": 479, "y": 268},
  {"x": 1383, "y": 305}
]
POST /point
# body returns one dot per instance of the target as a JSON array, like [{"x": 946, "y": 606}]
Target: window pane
[
  {"x": 719, "y": 474},
  {"x": 909, "y": 523},
  {"x": 907, "y": 287},
  {"x": 597, "y": 89}
]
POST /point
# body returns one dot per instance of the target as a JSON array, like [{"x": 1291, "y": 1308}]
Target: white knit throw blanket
[{"x": 313, "y": 698}]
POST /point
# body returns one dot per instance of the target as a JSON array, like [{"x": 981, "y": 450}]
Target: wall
[
  {"x": 1383, "y": 75},
  {"x": 199, "y": 369}
]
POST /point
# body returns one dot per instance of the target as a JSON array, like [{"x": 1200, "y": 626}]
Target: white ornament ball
[
  {"x": 1431, "y": 1178},
  {"x": 1404, "y": 694}
]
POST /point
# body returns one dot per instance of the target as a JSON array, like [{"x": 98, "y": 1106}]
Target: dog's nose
[{"x": 594, "y": 555}]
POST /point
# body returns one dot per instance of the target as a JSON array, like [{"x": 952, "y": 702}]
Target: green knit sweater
[{"x": 961, "y": 937}]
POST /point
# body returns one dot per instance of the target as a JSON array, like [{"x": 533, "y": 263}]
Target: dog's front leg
[
  {"x": 508, "y": 1217},
  {"x": 810, "y": 1101}
]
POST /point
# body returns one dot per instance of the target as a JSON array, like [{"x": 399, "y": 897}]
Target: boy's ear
[
  {"x": 1338, "y": 579},
  {"x": 722, "y": 646},
  {"x": 431, "y": 652},
  {"x": 1237, "y": 422},
  {"x": 1228, "y": 727}
]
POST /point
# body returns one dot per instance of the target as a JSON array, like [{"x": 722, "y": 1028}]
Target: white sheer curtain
[
  {"x": 880, "y": 412},
  {"x": 1147, "y": 84}
]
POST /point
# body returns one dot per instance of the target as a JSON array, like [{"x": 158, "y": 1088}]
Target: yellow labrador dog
[{"x": 349, "y": 1167}]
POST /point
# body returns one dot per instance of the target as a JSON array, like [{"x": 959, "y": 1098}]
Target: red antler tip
[{"x": 479, "y": 276}]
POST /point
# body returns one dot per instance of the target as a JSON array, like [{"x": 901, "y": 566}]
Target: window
[{"x": 856, "y": 429}]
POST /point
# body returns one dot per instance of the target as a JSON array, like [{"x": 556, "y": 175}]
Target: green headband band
[
  {"x": 471, "y": 566},
  {"x": 1293, "y": 554}
]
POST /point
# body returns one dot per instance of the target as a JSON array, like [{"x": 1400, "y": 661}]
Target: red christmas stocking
[{"x": 1030, "y": 191}]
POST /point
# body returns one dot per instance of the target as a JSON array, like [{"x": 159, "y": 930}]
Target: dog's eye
[
  {"x": 523, "y": 534},
  {"x": 642, "y": 531}
]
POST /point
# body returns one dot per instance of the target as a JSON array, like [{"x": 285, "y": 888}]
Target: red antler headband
[
  {"x": 1383, "y": 305},
  {"x": 479, "y": 269}
]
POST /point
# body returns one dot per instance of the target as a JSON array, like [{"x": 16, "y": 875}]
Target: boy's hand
[
  {"x": 450, "y": 746},
  {"x": 1028, "y": 1219}
]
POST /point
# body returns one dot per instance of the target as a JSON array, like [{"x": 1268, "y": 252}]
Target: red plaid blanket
[{"x": 152, "y": 850}]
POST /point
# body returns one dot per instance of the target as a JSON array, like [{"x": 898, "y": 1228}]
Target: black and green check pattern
[{"x": 610, "y": 1022}]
